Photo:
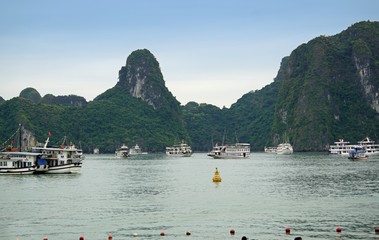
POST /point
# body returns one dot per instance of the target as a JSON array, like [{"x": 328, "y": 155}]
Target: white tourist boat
[
  {"x": 62, "y": 159},
  {"x": 215, "y": 149},
  {"x": 370, "y": 146},
  {"x": 284, "y": 149},
  {"x": 237, "y": 150},
  {"x": 19, "y": 162},
  {"x": 96, "y": 151},
  {"x": 181, "y": 150},
  {"x": 122, "y": 152},
  {"x": 136, "y": 150},
  {"x": 341, "y": 148},
  {"x": 344, "y": 148}
]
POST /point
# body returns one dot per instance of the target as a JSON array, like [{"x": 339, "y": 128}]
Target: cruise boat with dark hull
[{"x": 61, "y": 159}]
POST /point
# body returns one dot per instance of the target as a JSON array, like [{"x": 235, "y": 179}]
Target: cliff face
[
  {"x": 365, "y": 67},
  {"x": 142, "y": 78},
  {"x": 330, "y": 90}
]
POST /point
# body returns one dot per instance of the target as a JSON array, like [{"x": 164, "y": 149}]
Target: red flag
[{"x": 49, "y": 134}]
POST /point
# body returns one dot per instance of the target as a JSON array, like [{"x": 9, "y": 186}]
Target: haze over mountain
[{"x": 325, "y": 90}]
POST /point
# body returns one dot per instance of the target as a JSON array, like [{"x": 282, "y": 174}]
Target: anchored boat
[
  {"x": 215, "y": 149},
  {"x": 370, "y": 146},
  {"x": 181, "y": 150},
  {"x": 358, "y": 152},
  {"x": 136, "y": 150},
  {"x": 62, "y": 159},
  {"x": 344, "y": 148},
  {"x": 284, "y": 149},
  {"x": 18, "y": 162},
  {"x": 122, "y": 152},
  {"x": 237, "y": 150}
]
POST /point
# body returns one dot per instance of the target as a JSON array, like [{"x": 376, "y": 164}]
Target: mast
[{"x": 19, "y": 137}]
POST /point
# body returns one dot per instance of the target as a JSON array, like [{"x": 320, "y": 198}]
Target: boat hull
[
  {"x": 284, "y": 152},
  {"x": 17, "y": 171},
  {"x": 358, "y": 158},
  {"x": 229, "y": 157},
  {"x": 179, "y": 154},
  {"x": 122, "y": 155},
  {"x": 66, "y": 168}
]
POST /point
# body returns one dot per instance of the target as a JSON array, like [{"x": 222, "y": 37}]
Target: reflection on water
[{"x": 258, "y": 197}]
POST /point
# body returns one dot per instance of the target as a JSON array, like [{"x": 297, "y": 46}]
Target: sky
[{"x": 209, "y": 51}]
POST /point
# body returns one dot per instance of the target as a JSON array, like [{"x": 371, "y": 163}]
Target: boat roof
[
  {"x": 67, "y": 149},
  {"x": 341, "y": 140},
  {"x": 366, "y": 141},
  {"x": 20, "y": 153},
  {"x": 240, "y": 144}
]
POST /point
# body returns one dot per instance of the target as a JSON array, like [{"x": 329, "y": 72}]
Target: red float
[
  {"x": 232, "y": 231},
  {"x": 162, "y": 233},
  {"x": 339, "y": 229},
  {"x": 288, "y": 230}
]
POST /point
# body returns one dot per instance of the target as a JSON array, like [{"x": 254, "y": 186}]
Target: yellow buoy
[{"x": 216, "y": 177}]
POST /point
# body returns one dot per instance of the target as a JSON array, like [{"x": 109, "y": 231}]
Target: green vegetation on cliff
[{"x": 330, "y": 90}]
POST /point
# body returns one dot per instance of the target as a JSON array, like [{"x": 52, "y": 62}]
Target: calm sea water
[{"x": 258, "y": 197}]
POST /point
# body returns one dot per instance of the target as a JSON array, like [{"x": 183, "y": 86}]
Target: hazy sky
[{"x": 209, "y": 51}]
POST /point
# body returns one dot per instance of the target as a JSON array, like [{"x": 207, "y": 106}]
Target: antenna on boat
[
  {"x": 47, "y": 141},
  {"x": 64, "y": 140}
]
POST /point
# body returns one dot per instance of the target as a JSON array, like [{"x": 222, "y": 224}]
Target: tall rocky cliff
[
  {"x": 140, "y": 109},
  {"x": 330, "y": 90},
  {"x": 142, "y": 78}
]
